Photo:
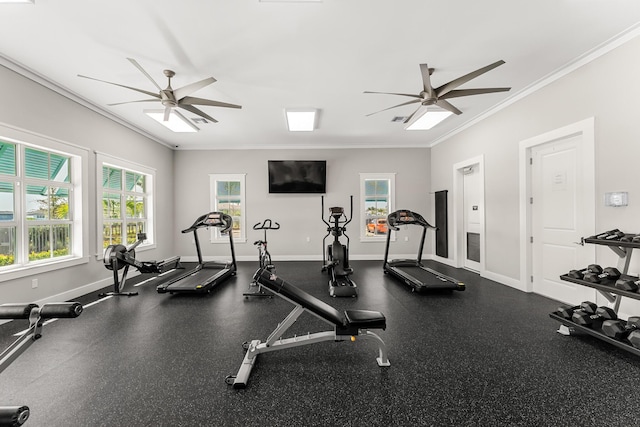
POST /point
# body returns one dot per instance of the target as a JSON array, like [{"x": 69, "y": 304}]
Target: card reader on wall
[{"x": 616, "y": 199}]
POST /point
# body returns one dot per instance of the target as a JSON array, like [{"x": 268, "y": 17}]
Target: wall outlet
[
  {"x": 308, "y": 239},
  {"x": 406, "y": 238},
  {"x": 34, "y": 283}
]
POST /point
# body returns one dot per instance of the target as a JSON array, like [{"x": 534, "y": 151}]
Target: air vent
[{"x": 398, "y": 119}]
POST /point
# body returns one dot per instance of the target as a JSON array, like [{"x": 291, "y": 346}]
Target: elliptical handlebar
[
  {"x": 266, "y": 225},
  {"x": 322, "y": 212},
  {"x": 351, "y": 212}
]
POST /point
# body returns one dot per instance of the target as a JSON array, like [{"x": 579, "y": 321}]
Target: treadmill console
[{"x": 403, "y": 217}]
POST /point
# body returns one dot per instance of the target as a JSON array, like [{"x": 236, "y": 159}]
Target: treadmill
[
  {"x": 204, "y": 276},
  {"x": 411, "y": 271}
]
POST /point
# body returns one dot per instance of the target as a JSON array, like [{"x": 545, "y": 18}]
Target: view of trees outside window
[
  {"x": 376, "y": 205},
  {"x": 48, "y": 183},
  {"x": 228, "y": 201},
  {"x": 45, "y": 187},
  {"x": 124, "y": 205}
]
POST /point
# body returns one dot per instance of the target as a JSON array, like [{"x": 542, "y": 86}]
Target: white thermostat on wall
[{"x": 616, "y": 199}]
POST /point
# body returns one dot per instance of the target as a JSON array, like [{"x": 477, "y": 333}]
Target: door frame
[
  {"x": 458, "y": 211},
  {"x": 585, "y": 129}
]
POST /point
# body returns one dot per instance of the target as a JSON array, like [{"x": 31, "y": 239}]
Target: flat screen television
[{"x": 297, "y": 176}]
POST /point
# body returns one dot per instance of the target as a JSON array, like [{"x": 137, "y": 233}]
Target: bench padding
[{"x": 347, "y": 321}]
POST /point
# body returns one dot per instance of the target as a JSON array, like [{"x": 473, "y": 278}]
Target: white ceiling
[{"x": 270, "y": 55}]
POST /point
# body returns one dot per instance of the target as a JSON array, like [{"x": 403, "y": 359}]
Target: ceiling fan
[
  {"x": 438, "y": 96},
  {"x": 172, "y": 98}
]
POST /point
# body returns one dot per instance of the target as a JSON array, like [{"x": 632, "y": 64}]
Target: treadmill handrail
[
  {"x": 212, "y": 219},
  {"x": 404, "y": 217}
]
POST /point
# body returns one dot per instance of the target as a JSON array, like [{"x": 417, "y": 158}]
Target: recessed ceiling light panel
[
  {"x": 176, "y": 123},
  {"x": 429, "y": 120},
  {"x": 301, "y": 120}
]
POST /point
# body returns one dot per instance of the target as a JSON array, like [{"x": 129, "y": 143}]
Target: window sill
[{"x": 19, "y": 272}]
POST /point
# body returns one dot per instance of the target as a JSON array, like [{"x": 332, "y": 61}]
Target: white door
[
  {"x": 558, "y": 206},
  {"x": 472, "y": 207}
]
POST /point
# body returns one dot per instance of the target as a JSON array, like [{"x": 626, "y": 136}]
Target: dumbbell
[
  {"x": 615, "y": 235},
  {"x": 617, "y": 329},
  {"x": 634, "y": 338},
  {"x": 593, "y": 319},
  {"x": 579, "y": 274},
  {"x": 635, "y": 238},
  {"x": 567, "y": 311},
  {"x": 628, "y": 284},
  {"x": 608, "y": 273},
  {"x": 605, "y": 234}
]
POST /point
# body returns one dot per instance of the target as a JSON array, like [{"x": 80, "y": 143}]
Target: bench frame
[{"x": 275, "y": 341}]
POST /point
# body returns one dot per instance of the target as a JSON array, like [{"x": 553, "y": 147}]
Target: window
[
  {"x": 41, "y": 207},
  {"x": 126, "y": 202},
  {"x": 377, "y": 193},
  {"x": 227, "y": 196}
]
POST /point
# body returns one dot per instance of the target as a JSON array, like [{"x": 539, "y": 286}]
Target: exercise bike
[
  {"x": 264, "y": 258},
  {"x": 335, "y": 259},
  {"x": 18, "y": 415},
  {"x": 117, "y": 257}
]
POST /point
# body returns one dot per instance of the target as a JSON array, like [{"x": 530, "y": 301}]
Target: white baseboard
[
  {"x": 441, "y": 260},
  {"x": 504, "y": 280},
  {"x": 76, "y": 292}
]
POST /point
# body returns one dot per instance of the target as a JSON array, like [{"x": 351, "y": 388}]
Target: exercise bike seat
[{"x": 259, "y": 242}]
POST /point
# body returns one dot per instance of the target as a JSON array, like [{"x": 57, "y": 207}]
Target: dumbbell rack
[{"x": 606, "y": 288}]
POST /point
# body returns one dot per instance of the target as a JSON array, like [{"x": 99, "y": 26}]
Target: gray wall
[
  {"x": 32, "y": 107},
  {"x": 298, "y": 215},
  {"x": 607, "y": 89}
]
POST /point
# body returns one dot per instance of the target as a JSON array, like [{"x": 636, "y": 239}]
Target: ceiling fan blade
[
  {"x": 447, "y": 106},
  {"x": 135, "y": 63},
  {"x": 200, "y": 113},
  {"x": 391, "y": 93},
  {"x": 155, "y": 95},
  {"x": 129, "y": 102},
  {"x": 448, "y": 87},
  {"x": 189, "y": 100},
  {"x": 426, "y": 79},
  {"x": 399, "y": 105},
  {"x": 468, "y": 92},
  {"x": 167, "y": 113},
  {"x": 190, "y": 88},
  {"x": 408, "y": 119}
]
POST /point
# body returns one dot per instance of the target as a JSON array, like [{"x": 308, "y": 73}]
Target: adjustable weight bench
[{"x": 347, "y": 326}]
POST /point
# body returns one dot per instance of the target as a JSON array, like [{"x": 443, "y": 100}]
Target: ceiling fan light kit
[
  {"x": 173, "y": 98},
  {"x": 438, "y": 96}
]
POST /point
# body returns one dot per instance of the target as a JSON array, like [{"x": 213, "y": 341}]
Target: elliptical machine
[{"x": 335, "y": 259}]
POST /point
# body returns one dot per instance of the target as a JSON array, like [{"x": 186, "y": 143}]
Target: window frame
[
  {"x": 214, "y": 178},
  {"x": 78, "y": 206},
  {"x": 391, "y": 177},
  {"x": 107, "y": 160}
]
